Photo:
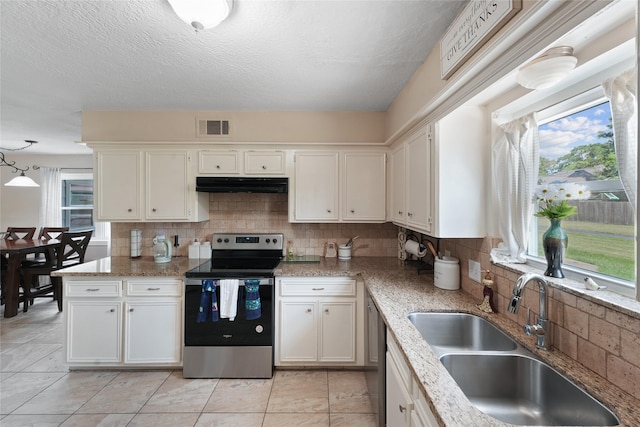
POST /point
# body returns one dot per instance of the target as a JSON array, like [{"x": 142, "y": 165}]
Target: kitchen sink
[
  {"x": 521, "y": 390},
  {"x": 446, "y": 332}
]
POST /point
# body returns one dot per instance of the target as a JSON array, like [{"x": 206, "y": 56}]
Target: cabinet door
[
  {"x": 397, "y": 211},
  {"x": 94, "y": 332},
  {"x": 264, "y": 162},
  {"x": 167, "y": 185},
  {"x": 418, "y": 181},
  {"x": 337, "y": 331},
  {"x": 398, "y": 402},
  {"x": 364, "y": 187},
  {"x": 316, "y": 186},
  {"x": 153, "y": 331},
  {"x": 219, "y": 162},
  {"x": 118, "y": 188},
  {"x": 298, "y": 331}
]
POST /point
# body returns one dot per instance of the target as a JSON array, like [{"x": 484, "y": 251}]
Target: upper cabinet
[
  {"x": 338, "y": 186},
  {"x": 164, "y": 178},
  {"x": 410, "y": 182},
  {"x": 242, "y": 162},
  {"x": 438, "y": 176}
]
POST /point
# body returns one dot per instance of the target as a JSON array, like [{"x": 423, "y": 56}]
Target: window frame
[
  {"x": 102, "y": 230},
  {"x": 558, "y": 110}
]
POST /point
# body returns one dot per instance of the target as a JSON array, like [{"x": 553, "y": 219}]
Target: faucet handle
[{"x": 530, "y": 329}]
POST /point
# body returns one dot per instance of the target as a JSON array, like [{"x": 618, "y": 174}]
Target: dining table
[{"x": 16, "y": 251}]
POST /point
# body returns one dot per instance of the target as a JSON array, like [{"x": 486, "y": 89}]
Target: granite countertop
[{"x": 397, "y": 289}]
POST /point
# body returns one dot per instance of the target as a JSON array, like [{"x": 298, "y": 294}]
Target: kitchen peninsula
[{"x": 397, "y": 290}]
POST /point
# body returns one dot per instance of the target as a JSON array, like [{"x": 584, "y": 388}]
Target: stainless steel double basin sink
[{"x": 503, "y": 379}]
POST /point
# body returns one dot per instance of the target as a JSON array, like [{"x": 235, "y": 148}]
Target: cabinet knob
[
  {"x": 317, "y": 289},
  {"x": 410, "y": 213},
  {"x": 153, "y": 289},
  {"x": 217, "y": 166},
  {"x": 92, "y": 289},
  {"x": 326, "y": 310},
  {"x": 130, "y": 310},
  {"x": 352, "y": 211},
  {"x": 153, "y": 210},
  {"x": 264, "y": 167},
  {"x": 112, "y": 310},
  {"x": 399, "y": 212},
  {"x": 402, "y": 408},
  {"x": 308, "y": 310},
  {"x": 129, "y": 210},
  {"x": 328, "y": 210}
]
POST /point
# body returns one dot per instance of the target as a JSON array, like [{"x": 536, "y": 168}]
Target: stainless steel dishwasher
[{"x": 375, "y": 349}]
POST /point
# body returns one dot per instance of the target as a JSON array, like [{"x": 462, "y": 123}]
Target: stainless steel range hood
[{"x": 209, "y": 184}]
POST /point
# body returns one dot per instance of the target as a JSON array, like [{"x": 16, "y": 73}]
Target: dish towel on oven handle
[
  {"x": 252, "y": 304},
  {"x": 208, "y": 302},
  {"x": 229, "y": 298}
]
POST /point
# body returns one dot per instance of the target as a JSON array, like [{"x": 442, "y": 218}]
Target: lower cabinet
[
  {"x": 406, "y": 406},
  {"x": 319, "y": 321},
  {"x": 129, "y": 321}
]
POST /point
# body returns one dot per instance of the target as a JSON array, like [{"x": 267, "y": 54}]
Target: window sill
[{"x": 614, "y": 301}]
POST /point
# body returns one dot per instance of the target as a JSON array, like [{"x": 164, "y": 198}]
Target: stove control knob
[
  {"x": 259, "y": 329},
  {"x": 219, "y": 240},
  {"x": 275, "y": 241},
  {"x": 226, "y": 240},
  {"x": 268, "y": 240}
]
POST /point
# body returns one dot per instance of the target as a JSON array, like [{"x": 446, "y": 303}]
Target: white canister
[
  {"x": 205, "y": 250},
  {"x": 446, "y": 273},
  {"x": 194, "y": 250},
  {"x": 344, "y": 252}
]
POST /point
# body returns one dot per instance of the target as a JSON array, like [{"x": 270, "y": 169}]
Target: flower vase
[{"x": 554, "y": 242}]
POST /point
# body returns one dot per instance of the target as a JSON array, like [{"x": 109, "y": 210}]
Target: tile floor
[{"x": 36, "y": 388}]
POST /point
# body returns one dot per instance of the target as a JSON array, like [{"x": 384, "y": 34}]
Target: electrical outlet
[{"x": 474, "y": 271}]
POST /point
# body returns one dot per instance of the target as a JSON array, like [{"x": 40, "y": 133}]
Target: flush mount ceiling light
[
  {"x": 22, "y": 180},
  {"x": 547, "y": 69},
  {"x": 202, "y": 14}
]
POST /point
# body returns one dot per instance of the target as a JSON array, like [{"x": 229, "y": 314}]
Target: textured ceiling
[{"x": 61, "y": 57}]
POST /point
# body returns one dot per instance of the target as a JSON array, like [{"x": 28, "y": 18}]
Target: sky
[{"x": 558, "y": 137}]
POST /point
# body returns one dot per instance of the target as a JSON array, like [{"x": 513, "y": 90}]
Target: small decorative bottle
[
  {"x": 487, "y": 293},
  {"x": 290, "y": 249}
]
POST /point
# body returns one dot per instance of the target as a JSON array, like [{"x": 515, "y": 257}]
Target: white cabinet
[
  {"x": 164, "y": 178},
  {"x": 411, "y": 182},
  {"x": 219, "y": 162},
  {"x": 316, "y": 187},
  {"x": 264, "y": 162},
  {"x": 242, "y": 162},
  {"x": 335, "y": 186},
  {"x": 405, "y": 402},
  {"x": 319, "y": 321},
  {"x": 363, "y": 194},
  {"x": 123, "y": 322},
  {"x": 460, "y": 173},
  {"x": 118, "y": 186}
]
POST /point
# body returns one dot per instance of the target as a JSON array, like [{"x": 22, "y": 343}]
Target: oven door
[{"x": 245, "y": 330}]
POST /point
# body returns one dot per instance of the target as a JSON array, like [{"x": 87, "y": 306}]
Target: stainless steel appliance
[{"x": 217, "y": 347}]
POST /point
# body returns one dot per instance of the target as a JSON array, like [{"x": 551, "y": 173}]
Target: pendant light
[
  {"x": 22, "y": 180},
  {"x": 202, "y": 14}
]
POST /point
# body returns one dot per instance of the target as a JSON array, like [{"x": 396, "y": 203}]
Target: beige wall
[
  {"x": 260, "y": 213},
  {"x": 603, "y": 339},
  {"x": 246, "y": 127}
]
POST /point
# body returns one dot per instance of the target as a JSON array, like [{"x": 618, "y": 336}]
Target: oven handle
[{"x": 264, "y": 281}]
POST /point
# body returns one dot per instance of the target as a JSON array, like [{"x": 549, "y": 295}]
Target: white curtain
[
  {"x": 50, "y": 197},
  {"x": 621, "y": 91},
  {"x": 515, "y": 174}
]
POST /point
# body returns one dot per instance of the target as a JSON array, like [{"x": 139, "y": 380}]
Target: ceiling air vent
[{"x": 213, "y": 128}]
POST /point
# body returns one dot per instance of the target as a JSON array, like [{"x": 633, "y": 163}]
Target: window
[
  {"x": 77, "y": 205},
  {"x": 576, "y": 145}
]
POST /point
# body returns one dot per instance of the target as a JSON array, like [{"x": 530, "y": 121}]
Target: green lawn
[{"x": 608, "y": 247}]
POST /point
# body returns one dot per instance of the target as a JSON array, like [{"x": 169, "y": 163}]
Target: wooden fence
[{"x": 604, "y": 211}]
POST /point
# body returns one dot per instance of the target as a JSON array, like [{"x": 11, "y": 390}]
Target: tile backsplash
[{"x": 259, "y": 213}]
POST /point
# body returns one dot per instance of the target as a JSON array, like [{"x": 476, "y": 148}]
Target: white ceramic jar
[{"x": 446, "y": 273}]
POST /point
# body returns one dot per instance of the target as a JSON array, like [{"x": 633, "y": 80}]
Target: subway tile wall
[
  {"x": 603, "y": 339},
  {"x": 259, "y": 213}
]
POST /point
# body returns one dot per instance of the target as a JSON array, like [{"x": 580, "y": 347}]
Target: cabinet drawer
[
  {"x": 155, "y": 287},
  {"x": 396, "y": 355},
  {"x": 219, "y": 162},
  {"x": 318, "y": 287},
  {"x": 264, "y": 162},
  {"x": 97, "y": 288}
]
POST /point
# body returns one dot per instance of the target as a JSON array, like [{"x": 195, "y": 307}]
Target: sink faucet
[{"x": 540, "y": 328}]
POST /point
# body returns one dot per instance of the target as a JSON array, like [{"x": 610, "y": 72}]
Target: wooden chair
[
  {"x": 17, "y": 233},
  {"x": 48, "y": 233},
  {"x": 70, "y": 251}
]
